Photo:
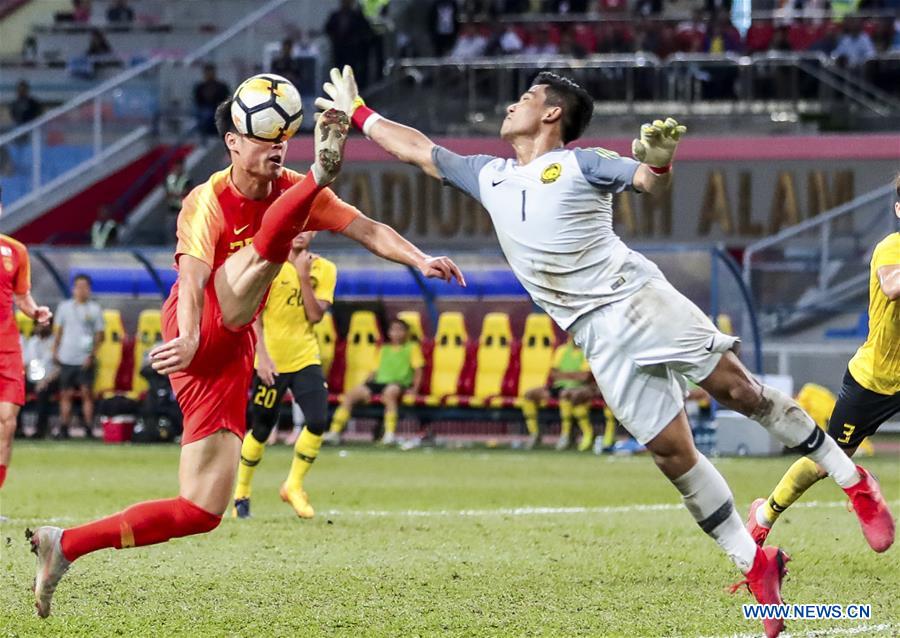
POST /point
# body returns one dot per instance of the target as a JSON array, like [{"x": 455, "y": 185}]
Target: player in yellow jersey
[
  {"x": 869, "y": 396},
  {"x": 287, "y": 357}
]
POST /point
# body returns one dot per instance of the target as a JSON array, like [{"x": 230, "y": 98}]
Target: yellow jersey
[
  {"x": 818, "y": 402},
  {"x": 288, "y": 334},
  {"x": 876, "y": 365}
]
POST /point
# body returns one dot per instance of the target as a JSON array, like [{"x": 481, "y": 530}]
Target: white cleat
[
  {"x": 332, "y": 129},
  {"x": 563, "y": 442},
  {"x": 389, "y": 438},
  {"x": 51, "y": 565}
]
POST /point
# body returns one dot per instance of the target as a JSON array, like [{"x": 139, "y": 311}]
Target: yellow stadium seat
[
  {"x": 449, "y": 354},
  {"x": 326, "y": 335},
  {"x": 413, "y": 319},
  {"x": 494, "y": 350},
  {"x": 538, "y": 343},
  {"x": 24, "y": 324},
  {"x": 363, "y": 339},
  {"x": 109, "y": 354},
  {"x": 149, "y": 333}
]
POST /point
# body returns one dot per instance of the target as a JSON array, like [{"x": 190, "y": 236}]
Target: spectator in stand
[
  {"x": 24, "y": 108},
  {"x": 79, "y": 333},
  {"x": 509, "y": 42},
  {"x": 444, "y": 24},
  {"x": 41, "y": 373},
  {"x": 722, "y": 37},
  {"x": 829, "y": 39},
  {"x": 541, "y": 43},
  {"x": 855, "y": 47},
  {"x": 287, "y": 65},
  {"x": 120, "y": 14},
  {"x": 98, "y": 46},
  {"x": 471, "y": 43},
  {"x": 351, "y": 36},
  {"x": 691, "y": 34},
  {"x": 29, "y": 50},
  {"x": 105, "y": 229},
  {"x": 208, "y": 94}
]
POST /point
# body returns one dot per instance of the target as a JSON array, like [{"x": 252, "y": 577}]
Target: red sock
[
  {"x": 284, "y": 219},
  {"x": 146, "y": 523},
  {"x": 2, "y": 474}
]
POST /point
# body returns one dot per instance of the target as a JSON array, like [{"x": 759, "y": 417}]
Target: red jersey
[
  {"x": 15, "y": 279},
  {"x": 216, "y": 220}
]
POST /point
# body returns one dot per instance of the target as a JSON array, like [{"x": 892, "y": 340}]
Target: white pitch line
[
  {"x": 473, "y": 513},
  {"x": 822, "y": 633}
]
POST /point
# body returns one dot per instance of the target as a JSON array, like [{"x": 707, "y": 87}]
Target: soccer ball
[{"x": 267, "y": 107}]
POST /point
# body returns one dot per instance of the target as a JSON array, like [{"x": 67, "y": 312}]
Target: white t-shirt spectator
[
  {"x": 856, "y": 48},
  {"x": 79, "y": 323}
]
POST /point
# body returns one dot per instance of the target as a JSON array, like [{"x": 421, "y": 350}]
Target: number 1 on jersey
[{"x": 523, "y": 206}]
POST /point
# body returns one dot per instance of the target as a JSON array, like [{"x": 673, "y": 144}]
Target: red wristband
[
  {"x": 660, "y": 170},
  {"x": 360, "y": 115}
]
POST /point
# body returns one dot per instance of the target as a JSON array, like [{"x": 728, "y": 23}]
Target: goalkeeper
[{"x": 551, "y": 207}]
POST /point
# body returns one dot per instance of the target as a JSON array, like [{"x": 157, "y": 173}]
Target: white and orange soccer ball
[{"x": 267, "y": 107}]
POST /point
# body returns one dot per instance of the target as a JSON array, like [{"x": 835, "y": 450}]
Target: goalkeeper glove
[
  {"x": 345, "y": 97},
  {"x": 657, "y": 143}
]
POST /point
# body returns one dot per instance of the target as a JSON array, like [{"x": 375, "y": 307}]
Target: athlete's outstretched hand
[
  {"x": 342, "y": 91},
  {"x": 657, "y": 143},
  {"x": 442, "y": 268},
  {"x": 174, "y": 355}
]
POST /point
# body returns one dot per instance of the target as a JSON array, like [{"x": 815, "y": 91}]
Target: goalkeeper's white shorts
[{"x": 643, "y": 348}]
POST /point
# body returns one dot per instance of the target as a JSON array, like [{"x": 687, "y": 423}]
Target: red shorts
[
  {"x": 212, "y": 391},
  {"x": 12, "y": 378}
]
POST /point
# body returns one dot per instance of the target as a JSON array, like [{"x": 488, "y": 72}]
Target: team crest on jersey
[
  {"x": 8, "y": 263},
  {"x": 6, "y": 251},
  {"x": 551, "y": 173}
]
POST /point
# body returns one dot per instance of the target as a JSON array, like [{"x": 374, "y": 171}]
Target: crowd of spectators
[{"x": 853, "y": 40}]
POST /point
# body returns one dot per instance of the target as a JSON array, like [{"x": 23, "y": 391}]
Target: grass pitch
[{"x": 428, "y": 543}]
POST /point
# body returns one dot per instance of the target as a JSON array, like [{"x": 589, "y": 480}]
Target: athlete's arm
[
  {"x": 22, "y": 289},
  {"x": 315, "y": 308},
  {"x": 387, "y": 243},
  {"x": 889, "y": 278},
  {"x": 265, "y": 367},
  {"x": 28, "y": 305},
  {"x": 177, "y": 354},
  {"x": 646, "y": 181},
  {"x": 403, "y": 142}
]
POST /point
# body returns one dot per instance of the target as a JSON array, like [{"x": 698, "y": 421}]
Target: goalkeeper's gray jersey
[{"x": 553, "y": 218}]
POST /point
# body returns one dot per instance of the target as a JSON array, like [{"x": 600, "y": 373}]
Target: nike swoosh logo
[
  {"x": 712, "y": 342},
  {"x": 238, "y": 231},
  {"x": 498, "y": 182}
]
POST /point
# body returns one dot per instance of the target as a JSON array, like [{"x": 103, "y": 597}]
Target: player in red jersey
[
  {"x": 15, "y": 285},
  {"x": 234, "y": 234}
]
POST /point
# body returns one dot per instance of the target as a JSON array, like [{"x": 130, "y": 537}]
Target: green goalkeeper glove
[{"x": 657, "y": 143}]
